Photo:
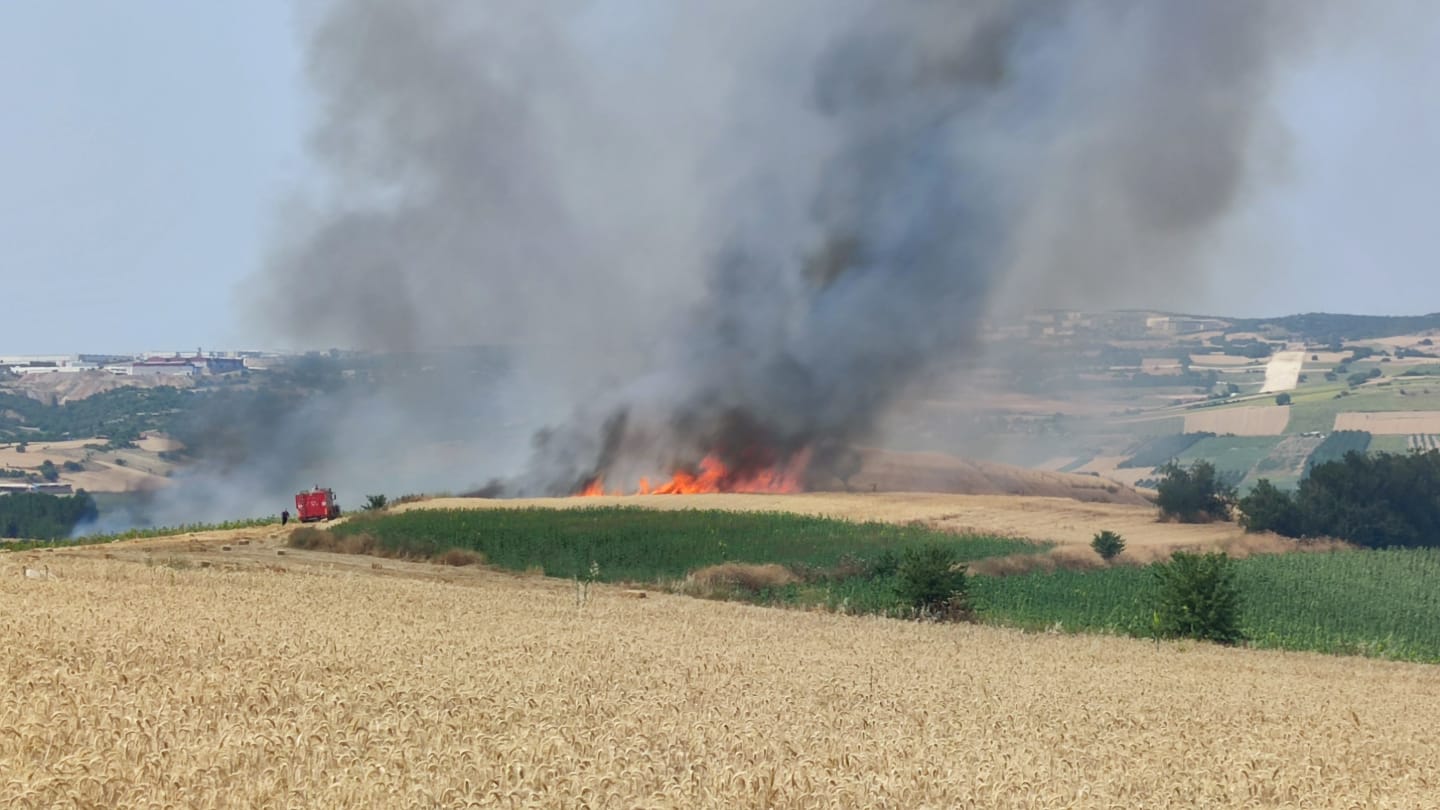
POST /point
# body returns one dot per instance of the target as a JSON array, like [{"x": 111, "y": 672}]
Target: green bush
[
  {"x": 1282, "y": 399},
  {"x": 375, "y": 502},
  {"x": 1193, "y": 494},
  {"x": 929, "y": 581},
  {"x": 1108, "y": 545},
  {"x": 1197, "y": 598}
]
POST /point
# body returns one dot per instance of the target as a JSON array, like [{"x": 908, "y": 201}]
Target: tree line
[
  {"x": 38, "y": 516},
  {"x": 1384, "y": 500}
]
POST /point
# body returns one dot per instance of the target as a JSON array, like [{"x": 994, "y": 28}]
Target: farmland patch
[
  {"x": 1233, "y": 456},
  {"x": 1394, "y": 423},
  {"x": 1282, "y": 373},
  {"x": 1336, "y": 445},
  {"x": 1255, "y": 420}
]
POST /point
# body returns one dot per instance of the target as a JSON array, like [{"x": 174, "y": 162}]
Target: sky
[{"x": 148, "y": 149}]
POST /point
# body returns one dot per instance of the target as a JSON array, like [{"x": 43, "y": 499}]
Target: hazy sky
[{"x": 146, "y": 149}]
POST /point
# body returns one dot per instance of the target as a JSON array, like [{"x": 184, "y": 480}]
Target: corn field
[
  {"x": 630, "y": 544},
  {"x": 132, "y": 686},
  {"x": 1375, "y": 602}
]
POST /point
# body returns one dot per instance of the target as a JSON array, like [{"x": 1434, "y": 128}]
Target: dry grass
[
  {"x": 1394, "y": 423},
  {"x": 129, "y": 686},
  {"x": 1257, "y": 420},
  {"x": 460, "y": 557},
  {"x": 744, "y": 576},
  {"x": 1080, "y": 558}
]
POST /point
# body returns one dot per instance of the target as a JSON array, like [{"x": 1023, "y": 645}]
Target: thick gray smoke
[{"x": 744, "y": 226}]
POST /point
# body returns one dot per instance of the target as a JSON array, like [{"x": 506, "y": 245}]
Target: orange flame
[{"x": 712, "y": 475}]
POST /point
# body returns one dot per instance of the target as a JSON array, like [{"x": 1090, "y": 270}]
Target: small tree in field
[
  {"x": 928, "y": 580},
  {"x": 1198, "y": 598},
  {"x": 375, "y": 503},
  {"x": 1108, "y": 545},
  {"x": 1193, "y": 494},
  {"x": 1282, "y": 399}
]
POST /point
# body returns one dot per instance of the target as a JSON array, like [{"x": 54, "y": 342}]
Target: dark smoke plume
[{"x": 723, "y": 226}]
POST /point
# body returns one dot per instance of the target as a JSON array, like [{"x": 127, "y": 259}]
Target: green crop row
[{"x": 630, "y": 544}]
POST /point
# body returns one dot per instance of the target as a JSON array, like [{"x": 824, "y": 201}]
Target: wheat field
[{"x": 134, "y": 685}]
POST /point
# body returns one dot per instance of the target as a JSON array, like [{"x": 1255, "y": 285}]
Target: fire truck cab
[{"x": 316, "y": 504}]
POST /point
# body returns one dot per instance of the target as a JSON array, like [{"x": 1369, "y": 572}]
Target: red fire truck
[{"x": 316, "y": 504}]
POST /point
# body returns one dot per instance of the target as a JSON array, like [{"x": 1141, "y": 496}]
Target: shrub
[
  {"x": 1198, "y": 598},
  {"x": 49, "y": 471},
  {"x": 1194, "y": 494},
  {"x": 73, "y": 466},
  {"x": 374, "y": 503},
  {"x": 1282, "y": 399},
  {"x": 929, "y": 581},
  {"x": 885, "y": 564},
  {"x": 1108, "y": 545}
]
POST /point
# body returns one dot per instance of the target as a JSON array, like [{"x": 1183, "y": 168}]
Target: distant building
[
  {"x": 8, "y": 488},
  {"x": 164, "y": 367}
]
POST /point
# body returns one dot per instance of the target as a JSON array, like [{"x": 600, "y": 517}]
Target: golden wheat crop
[{"x": 132, "y": 686}]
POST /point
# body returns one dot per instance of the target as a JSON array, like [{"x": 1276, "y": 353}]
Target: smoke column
[{"x": 727, "y": 225}]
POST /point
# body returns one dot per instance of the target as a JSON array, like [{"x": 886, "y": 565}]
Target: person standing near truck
[{"x": 284, "y": 516}]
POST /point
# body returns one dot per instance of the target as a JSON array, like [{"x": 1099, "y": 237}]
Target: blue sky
[{"x": 146, "y": 149}]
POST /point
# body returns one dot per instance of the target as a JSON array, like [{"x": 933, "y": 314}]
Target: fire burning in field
[{"x": 712, "y": 474}]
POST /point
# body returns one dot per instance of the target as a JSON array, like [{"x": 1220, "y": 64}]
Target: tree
[
  {"x": 48, "y": 471},
  {"x": 929, "y": 581},
  {"x": 1268, "y": 508},
  {"x": 1197, "y": 598},
  {"x": 1194, "y": 494},
  {"x": 1376, "y": 501},
  {"x": 1108, "y": 545},
  {"x": 375, "y": 503},
  {"x": 1282, "y": 398}
]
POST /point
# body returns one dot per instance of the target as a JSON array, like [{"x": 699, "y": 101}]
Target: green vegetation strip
[
  {"x": 630, "y": 544},
  {"x": 1380, "y": 603}
]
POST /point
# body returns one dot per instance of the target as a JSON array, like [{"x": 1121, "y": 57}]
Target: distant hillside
[{"x": 1324, "y": 327}]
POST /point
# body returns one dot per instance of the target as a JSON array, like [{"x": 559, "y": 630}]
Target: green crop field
[
  {"x": 1233, "y": 456},
  {"x": 1381, "y": 603},
  {"x": 630, "y": 544},
  {"x": 1315, "y": 410},
  {"x": 1390, "y": 444}
]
